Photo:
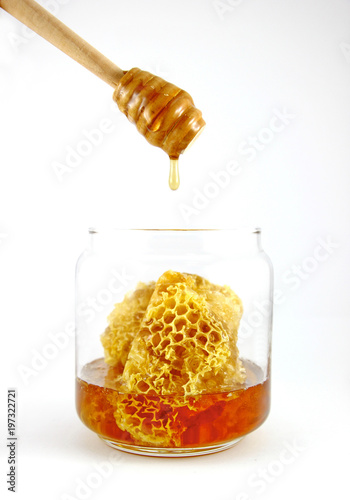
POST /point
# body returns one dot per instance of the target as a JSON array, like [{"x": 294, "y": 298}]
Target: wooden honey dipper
[{"x": 163, "y": 113}]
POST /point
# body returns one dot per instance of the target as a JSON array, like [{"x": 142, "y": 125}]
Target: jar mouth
[
  {"x": 177, "y": 241},
  {"x": 243, "y": 230}
]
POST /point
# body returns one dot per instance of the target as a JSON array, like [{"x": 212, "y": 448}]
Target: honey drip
[{"x": 174, "y": 176}]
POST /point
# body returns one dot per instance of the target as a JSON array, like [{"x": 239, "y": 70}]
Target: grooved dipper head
[{"x": 164, "y": 114}]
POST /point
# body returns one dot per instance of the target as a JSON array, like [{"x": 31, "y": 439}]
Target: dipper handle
[
  {"x": 54, "y": 31},
  {"x": 163, "y": 113}
]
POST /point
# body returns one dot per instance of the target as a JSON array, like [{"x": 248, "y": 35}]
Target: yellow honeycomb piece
[
  {"x": 150, "y": 420},
  {"x": 162, "y": 420},
  {"x": 187, "y": 339},
  {"x": 124, "y": 323}
]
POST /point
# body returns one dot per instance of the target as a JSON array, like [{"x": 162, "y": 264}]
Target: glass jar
[{"x": 173, "y": 338}]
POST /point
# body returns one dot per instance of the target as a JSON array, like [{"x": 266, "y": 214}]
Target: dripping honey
[
  {"x": 201, "y": 420},
  {"x": 174, "y": 176}
]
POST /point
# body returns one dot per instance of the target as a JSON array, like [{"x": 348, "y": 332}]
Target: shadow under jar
[{"x": 173, "y": 338}]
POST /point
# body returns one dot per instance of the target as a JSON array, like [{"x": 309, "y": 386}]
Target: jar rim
[{"x": 247, "y": 230}]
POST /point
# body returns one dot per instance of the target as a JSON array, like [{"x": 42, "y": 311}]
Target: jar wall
[{"x": 117, "y": 260}]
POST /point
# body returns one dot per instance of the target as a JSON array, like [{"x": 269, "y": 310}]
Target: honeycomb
[
  {"x": 163, "y": 420},
  {"x": 123, "y": 324},
  {"x": 165, "y": 343},
  {"x": 187, "y": 339},
  {"x": 149, "y": 420}
]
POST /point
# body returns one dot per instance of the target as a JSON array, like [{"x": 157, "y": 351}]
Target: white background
[{"x": 240, "y": 63}]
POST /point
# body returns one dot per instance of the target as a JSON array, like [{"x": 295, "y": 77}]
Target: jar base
[{"x": 150, "y": 451}]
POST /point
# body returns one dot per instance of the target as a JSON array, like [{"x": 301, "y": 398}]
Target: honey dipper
[{"x": 163, "y": 113}]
